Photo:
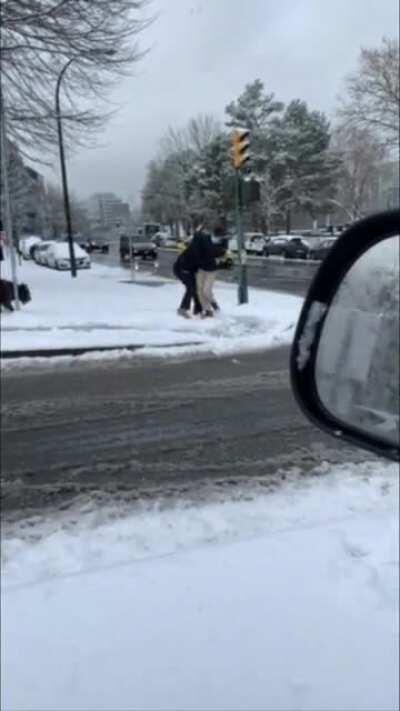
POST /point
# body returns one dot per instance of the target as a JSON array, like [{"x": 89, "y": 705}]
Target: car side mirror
[{"x": 345, "y": 355}]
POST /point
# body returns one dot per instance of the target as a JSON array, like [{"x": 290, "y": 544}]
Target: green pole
[{"x": 243, "y": 295}]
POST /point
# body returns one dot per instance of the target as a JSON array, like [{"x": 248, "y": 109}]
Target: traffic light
[{"x": 240, "y": 144}]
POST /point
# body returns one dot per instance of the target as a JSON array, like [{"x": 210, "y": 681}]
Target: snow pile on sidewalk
[
  {"x": 286, "y": 601},
  {"x": 103, "y": 307}
]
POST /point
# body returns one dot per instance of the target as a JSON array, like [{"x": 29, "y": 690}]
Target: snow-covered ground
[
  {"x": 287, "y": 601},
  {"x": 104, "y": 307}
]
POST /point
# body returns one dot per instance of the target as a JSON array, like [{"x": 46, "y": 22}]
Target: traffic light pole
[{"x": 243, "y": 295}]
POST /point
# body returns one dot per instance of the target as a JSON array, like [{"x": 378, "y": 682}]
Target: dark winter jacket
[{"x": 202, "y": 253}]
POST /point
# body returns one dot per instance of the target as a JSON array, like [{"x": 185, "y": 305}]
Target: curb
[{"x": 51, "y": 353}]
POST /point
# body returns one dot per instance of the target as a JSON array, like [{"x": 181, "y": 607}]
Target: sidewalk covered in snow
[
  {"x": 287, "y": 600},
  {"x": 107, "y": 307}
]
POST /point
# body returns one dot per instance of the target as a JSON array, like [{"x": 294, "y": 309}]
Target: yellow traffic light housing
[{"x": 240, "y": 145}]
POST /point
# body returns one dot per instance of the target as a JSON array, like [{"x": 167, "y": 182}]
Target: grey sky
[{"x": 202, "y": 54}]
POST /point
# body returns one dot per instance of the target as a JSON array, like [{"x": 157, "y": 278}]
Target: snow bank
[
  {"x": 103, "y": 307},
  {"x": 286, "y": 601}
]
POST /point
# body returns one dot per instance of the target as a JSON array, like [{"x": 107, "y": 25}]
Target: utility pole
[
  {"x": 67, "y": 206},
  {"x": 7, "y": 202},
  {"x": 240, "y": 156},
  {"x": 243, "y": 292}
]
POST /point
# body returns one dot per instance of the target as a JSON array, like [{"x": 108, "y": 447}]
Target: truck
[{"x": 137, "y": 246}]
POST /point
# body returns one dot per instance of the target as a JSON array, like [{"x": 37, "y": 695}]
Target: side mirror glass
[
  {"x": 357, "y": 362},
  {"x": 345, "y": 364}
]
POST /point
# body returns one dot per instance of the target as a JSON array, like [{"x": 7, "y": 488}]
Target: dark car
[
  {"x": 142, "y": 248},
  {"x": 288, "y": 246},
  {"x": 95, "y": 245},
  {"x": 296, "y": 248},
  {"x": 320, "y": 251}
]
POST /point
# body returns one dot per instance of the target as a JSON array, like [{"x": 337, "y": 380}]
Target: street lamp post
[{"x": 67, "y": 205}]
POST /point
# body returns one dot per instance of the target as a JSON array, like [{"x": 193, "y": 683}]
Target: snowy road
[
  {"x": 276, "y": 274},
  {"x": 134, "y": 427}
]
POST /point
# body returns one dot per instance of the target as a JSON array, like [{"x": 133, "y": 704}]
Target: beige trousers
[{"x": 205, "y": 284}]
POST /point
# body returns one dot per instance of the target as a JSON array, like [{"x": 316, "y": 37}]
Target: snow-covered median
[
  {"x": 287, "y": 601},
  {"x": 102, "y": 307}
]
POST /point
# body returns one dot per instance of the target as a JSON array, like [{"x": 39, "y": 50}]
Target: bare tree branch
[
  {"x": 39, "y": 37},
  {"x": 373, "y": 94}
]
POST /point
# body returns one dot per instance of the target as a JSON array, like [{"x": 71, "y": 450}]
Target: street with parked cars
[{"x": 55, "y": 253}]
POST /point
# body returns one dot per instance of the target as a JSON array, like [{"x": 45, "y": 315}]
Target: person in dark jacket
[
  {"x": 200, "y": 255},
  {"x": 213, "y": 247},
  {"x": 185, "y": 271}
]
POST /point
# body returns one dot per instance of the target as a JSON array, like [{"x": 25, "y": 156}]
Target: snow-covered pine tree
[
  {"x": 303, "y": 171},
  {"x": 258, "y": 111}
]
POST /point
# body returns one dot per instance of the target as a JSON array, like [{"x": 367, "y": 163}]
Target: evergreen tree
[
  {"x": 258, "y": 112},
  {"x": 302, "y": 169}
]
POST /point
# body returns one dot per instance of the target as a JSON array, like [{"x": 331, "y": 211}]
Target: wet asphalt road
[
  {"x": 286, "y": 275},
  {"x": 134, "y": 429}
]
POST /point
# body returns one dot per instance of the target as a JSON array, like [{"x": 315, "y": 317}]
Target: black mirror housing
[{"x": 332, "y": 313}]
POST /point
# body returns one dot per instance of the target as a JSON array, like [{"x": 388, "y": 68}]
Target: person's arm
[{"x": 220, "y": 248}]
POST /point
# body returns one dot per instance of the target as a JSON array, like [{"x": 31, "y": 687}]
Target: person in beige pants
[
  {"x": 213, "y": 247},
  {"x": 205, "y": 284}
]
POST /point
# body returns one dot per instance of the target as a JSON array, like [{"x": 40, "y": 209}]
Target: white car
[
  {"x": 254, "y": 243},
  {"x": 26, "y": 244},
  {"x": 40, "y": 251},
  {"x": 232, "y": 244},
  {"x": 57, "y": 256}
]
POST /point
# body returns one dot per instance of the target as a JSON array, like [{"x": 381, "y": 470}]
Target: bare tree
[
  {"x": 172, "y": 180},
  {"x": 56, "y": 215},
  {"x": 39, "y": 37},
  {"x": 192, "y": 138},
  {"x": 373, "y": 96},
  {"x": 361, "y": 154},
  {"x": 201, "y": 131}
]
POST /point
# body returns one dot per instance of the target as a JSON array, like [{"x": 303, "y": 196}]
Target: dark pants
[{"x": 188, "y": 279}]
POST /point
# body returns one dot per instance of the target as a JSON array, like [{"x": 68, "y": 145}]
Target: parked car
[
  {"x": 39, "y": 251},
  {"x": 320, "y": 250},
  {"x": 296, "y": 248},
  {"x": 26, "y": 245},
  {"x": 95, "y": 245},
  {"x": 255, "y": 242},
  {"x": 58, "y": 257},
  {"x": 288, "y": 246},
  {"x": 161, "y": 239},
  {"x": 142, "y": 248}
]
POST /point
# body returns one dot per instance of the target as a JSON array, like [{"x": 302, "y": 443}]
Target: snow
[
  {"x": 103, "y": 306},
  {"x": 61, "y": 249},
  {"x": 283, "y": 601}
]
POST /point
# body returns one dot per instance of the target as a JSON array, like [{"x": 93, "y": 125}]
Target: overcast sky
[{"x": 203, "y": 52}]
